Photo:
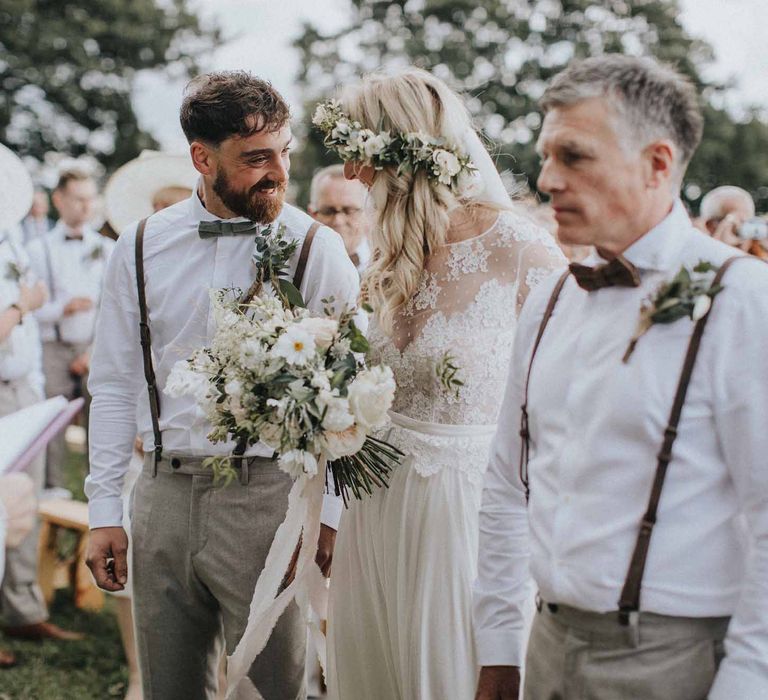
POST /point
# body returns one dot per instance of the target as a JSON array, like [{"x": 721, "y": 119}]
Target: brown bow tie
[
  {"x": 73, "y": 237},
  {"x": 617, "y": 273}
]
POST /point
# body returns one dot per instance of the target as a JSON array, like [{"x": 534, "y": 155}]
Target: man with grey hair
[
  {"x": 634, "y": 532},
  {"x": 339, "y": 204}
]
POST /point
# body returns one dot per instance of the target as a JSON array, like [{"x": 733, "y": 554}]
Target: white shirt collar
[{"x": 660, "y": 248}]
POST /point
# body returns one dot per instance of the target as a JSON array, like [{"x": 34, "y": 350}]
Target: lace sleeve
[{"x": 537, "y": 262}]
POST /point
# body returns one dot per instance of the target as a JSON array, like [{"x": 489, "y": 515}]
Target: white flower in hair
[{"x": 448, "y": 165}]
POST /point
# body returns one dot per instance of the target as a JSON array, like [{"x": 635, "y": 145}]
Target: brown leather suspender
[
  {"x": 629, "y": 602},
  {"x": 146, "y": 343},
  {"x": 146, "y": 338},
  {"x": 525, "y": 435},
  {"x": 301, "y": 266}
]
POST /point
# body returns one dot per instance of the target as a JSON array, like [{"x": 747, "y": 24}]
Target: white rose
[
  {"x": 370, "y": 396},
  {"x": 344, "y": 443},
  {"x": 296, "y": 463},
  {"x": 375, "y": 145},
  {"x": 323, "y": 330},
  {"x": 701, "y": 307},
  {"x": 448, "y": 165},
  {"x": 337, "y": 414},
  {"x": 184, "y": 381},
  {"x": 234, "y": 388}
]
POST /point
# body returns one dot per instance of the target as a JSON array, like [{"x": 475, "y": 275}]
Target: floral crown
[{"x": 413, "y": 151}]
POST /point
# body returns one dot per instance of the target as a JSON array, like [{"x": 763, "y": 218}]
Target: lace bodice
[{"x": 464, "y": 313}]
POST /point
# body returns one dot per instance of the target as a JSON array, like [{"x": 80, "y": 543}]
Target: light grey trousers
[
  {"x": 59, "y": 381},
  {"x": 578, "y": 655},
  {"x": 21, "y": 600},
  {"x": 198, "y": 550}
]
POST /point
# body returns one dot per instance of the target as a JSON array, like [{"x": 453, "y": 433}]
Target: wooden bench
[{"x": 54, "y": 573}]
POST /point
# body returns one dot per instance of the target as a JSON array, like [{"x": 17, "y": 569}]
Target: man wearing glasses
[{"x": 338, "y": 203}]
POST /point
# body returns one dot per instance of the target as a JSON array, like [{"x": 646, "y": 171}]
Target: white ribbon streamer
[{"x": 308, "y": 586}]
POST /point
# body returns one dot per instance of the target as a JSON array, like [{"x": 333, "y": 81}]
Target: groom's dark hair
[{"x": 230, "y": 103}]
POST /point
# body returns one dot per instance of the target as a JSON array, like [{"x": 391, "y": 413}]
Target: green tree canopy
[
  {"x": 67, "y": 68},
  {"x": 501, "y": 53}
]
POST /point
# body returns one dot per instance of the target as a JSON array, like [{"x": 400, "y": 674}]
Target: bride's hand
[
  {"x": 323, "y": 558},
  {"x": 498, "y": 683},
  {"x": 325, "y": 544}
]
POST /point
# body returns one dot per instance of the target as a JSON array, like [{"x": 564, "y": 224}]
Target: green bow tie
[{"x": 212, "y": 229}]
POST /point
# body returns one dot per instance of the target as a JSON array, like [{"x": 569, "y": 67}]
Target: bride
[{"x": 453, "y": 263}]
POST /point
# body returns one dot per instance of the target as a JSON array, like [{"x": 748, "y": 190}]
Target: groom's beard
[{"x": 251, "y": 204}]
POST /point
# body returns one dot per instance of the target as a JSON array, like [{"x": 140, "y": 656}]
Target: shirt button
[{"x": 175, "y": 463}]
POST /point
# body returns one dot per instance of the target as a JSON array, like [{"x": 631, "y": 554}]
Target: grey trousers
[
  {"x": 578, "y": 655},
  {"x": 58, "y": 380},
  {"x": 21, "y": 600},
  {"x": 197, "y": 552}
]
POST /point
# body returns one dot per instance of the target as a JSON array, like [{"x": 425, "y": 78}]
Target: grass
[{"x": 91, "y": 669}]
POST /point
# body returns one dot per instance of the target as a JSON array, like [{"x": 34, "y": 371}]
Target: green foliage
[
  {"x": 501, "y": 53},
  {"x": 68, "y": 69}
]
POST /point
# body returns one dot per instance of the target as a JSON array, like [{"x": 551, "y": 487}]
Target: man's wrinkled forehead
[{"x": 584, "y": 125}]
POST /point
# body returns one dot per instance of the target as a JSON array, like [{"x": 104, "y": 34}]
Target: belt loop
[
  {"x": 154, "y": 463},
  {"x": 538, "y": 601},
  {"x": 244, "y": 470},
  {"x": 631, "y": 621}
]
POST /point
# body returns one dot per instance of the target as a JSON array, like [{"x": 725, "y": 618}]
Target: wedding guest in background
[
  {"x": 340, "y": 204},
  {"x": 24, "y": 612},
  {"x": 724, "y": 212},
  {"x": 18, "y": 515},
  {"x": 584, "y": 418},
  {"x": 37, "y": 223},
  {"x": 71, "y": 259}
]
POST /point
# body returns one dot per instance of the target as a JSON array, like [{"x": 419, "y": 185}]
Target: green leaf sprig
[
  {"x": 447, "y": 370},
  {"x": 689, "y": 293}
]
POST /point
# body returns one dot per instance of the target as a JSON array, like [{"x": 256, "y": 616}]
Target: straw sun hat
[
  {"x": 15, "y": 189},
  {"x": 130, "y": 192}
]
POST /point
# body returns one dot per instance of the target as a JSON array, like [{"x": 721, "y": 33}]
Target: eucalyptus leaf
[{"x": 290, "y": 292}]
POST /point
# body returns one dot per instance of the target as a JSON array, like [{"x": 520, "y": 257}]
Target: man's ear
[
  {"x": 660, "y": 158},
  {"x": 203, "y": 157}
]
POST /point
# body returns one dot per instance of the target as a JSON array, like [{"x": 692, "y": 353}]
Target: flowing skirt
[{"x": 400, "y": 624}]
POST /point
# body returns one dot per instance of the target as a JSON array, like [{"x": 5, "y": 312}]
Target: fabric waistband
[
  {"x": 608, "y": 627},
  {"x": 193, "y": 466},
  {"x": 441, "y": 429}
]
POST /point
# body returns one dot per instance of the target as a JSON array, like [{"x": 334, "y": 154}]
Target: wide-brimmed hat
[
  {"x": 16, "y": 189},
  {"x": 129, "y": 193}
]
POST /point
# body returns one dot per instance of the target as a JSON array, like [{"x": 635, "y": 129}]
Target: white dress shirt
[
  {"x": 76, "y": 269},
  {"x": 20, "y": 352},
  {"x": 596, "y": 427},
  {"x": 180, "y": 268}
]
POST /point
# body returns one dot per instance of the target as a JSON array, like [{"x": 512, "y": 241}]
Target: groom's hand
[
  {"x": 107, "y": 557},
  {"x": 498, "y": 683},
  {"x": 325, "y": 544}
]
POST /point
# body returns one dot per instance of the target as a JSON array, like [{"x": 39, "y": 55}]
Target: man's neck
[
  {"x": 210, "y": 200},
  {"x": 645, "y": 224}
]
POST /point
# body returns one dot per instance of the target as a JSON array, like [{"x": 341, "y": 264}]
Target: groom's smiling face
[{"x": 251, "y": 173}]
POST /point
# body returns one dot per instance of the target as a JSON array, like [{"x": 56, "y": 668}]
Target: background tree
[
  {"x": 502, "y": 53},
  {"x": 67, "y": 70}
]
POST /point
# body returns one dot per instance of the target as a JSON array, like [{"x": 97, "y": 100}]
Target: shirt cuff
[
  {"x": 499, "y": 648},
  {"x": 333, "y": 506},
  {"x": 105, "y": 512}
]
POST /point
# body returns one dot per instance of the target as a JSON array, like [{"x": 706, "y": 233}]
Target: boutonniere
[
  {"x": 689, "y": 293},
  {"x": 95, "y": 253},
  {"x": 14, "y": 272},
  {"x": 271, "y": 259}
]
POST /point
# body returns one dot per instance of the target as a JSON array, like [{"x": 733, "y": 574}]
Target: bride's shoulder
[{"x": 516, "y": 229}]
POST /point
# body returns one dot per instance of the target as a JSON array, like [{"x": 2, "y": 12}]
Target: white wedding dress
[{"x": 405, "y": 559}]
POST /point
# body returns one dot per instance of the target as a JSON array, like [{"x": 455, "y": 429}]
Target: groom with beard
[{"x": 199, "y": 548}]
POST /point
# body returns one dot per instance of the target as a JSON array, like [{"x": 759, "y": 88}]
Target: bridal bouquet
[{"x": 276, "y": 375}]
